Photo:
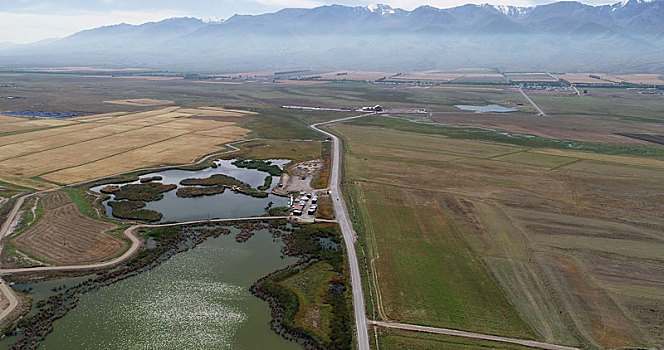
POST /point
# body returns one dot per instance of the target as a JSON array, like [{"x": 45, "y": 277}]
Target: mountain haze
[{"x": 562, "y": 36}]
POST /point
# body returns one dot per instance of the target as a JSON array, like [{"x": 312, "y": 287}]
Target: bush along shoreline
[
  {"x": 299, "y": 241},
  {"x": 313, "y": 244}
]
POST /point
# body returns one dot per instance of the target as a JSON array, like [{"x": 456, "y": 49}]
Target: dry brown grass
[
  {"x": 142, "y": 102},
  {"x": 17, "y": 124},
  {"x": 624, "y": 160},
  {"x": 445, "y": 76},
  {"x": 101, "y": 145},
  {"x": 354, "y": 75},
  {"x": 647, "y": 79},
  {"x": 577, "y": 249},
  {"x": 180, "y": 150},
  {"x": 64, "y": 236},
  {"x": 584, "y": 78}
]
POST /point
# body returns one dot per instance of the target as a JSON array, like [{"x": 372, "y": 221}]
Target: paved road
[
  {"x": 541, "y": 112},
  {"x": 348, "y": 234},
  {"x": 457, "y": 333}
]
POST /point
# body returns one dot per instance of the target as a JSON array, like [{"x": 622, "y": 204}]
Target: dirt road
[
  {"x": 541, "y": 112},
  {"x": 349, "y": 235},
  {"x": 9, "y": 295},
  {"x": 457, "y": 333},
  {"x": 135, "y": 245}
]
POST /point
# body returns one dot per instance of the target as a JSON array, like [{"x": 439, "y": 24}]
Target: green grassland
[
  {"x": 474, "y": 234},
  {"x": 310, "y": 287},
  {"x": 313, "y": 295},
  {"x": 273, "y": 149},
  {"x": 480, "y": 134}
]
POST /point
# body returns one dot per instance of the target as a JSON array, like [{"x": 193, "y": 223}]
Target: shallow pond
[
  {"x": 223, "y": 206},
  {"x": 487, "y": 108},
  {"x": 198, "y": 299}
]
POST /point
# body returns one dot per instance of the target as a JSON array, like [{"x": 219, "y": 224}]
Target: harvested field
[
  {"x": 643, "y": 79},
  {"x": 301, "y": 82},
  {"x": 65, "y": 236},
  {"x": 95, "y": 146},
  {"x": 584, "y": 78},
  {"x": 352, "y": 75},
  {"x": 445, "y": 76},
  {"x": 142, "y": 102},
  {"x": 86, "y": 69},
  {"x": 12, "y": 124},
  {"x": 563, "y": 243},
  {"x": 530, "y": 77}
]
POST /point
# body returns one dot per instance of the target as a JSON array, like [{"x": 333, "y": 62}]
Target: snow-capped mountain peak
[
  {"x": 510, "y": 10},
  {"x": 380, "y": 8}
]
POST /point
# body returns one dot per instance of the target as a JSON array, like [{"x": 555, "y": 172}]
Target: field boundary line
[
  {"x": 566, "y": 164},
  {"x": 472, "y": 335},
  {"x": 138, "y": 127}
]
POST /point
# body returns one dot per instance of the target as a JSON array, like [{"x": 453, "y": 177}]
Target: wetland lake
[
  {"x": 226, "y": 205},
  {"x": 198, "y": 298}
]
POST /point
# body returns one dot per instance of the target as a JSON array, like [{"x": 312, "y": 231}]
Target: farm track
[
  {"x": 471, "y": 335},
  {"x": 135, "y": 245},
  {"x": 13, "y": 216},
  {"x": 8, "y": 225},
  {"x": 343, "y": 219},
  {"x": 541, "y": 112}
]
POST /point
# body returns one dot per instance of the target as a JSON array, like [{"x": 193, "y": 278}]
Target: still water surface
[
  {"x": 225, "y": 205},
  {"x": 487, "y": 108},
  {"x": 198, "y": 299}
]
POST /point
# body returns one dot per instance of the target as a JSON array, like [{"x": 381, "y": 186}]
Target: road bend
[
  {"x": 348, "y": 233},
  {"x": 133, "y": 249}
]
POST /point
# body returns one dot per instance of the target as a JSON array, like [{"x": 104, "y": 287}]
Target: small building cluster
[
  {"x": 300, "y": 204},
  {"x": 376, "y": 108}
]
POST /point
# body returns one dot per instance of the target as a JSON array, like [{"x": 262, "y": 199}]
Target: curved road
[
  {"x": 135, "y": 245},
  {"x": 343, "y": 220},
  {"x": 349, "y": 235}
]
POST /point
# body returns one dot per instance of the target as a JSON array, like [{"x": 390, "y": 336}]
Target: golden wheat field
[{"x": 85, "y": 148}]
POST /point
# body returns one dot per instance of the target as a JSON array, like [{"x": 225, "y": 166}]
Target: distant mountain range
[{"x": 569, "y": 36}]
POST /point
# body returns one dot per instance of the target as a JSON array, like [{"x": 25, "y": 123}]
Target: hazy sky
[{"x": 24, "y": 21}]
